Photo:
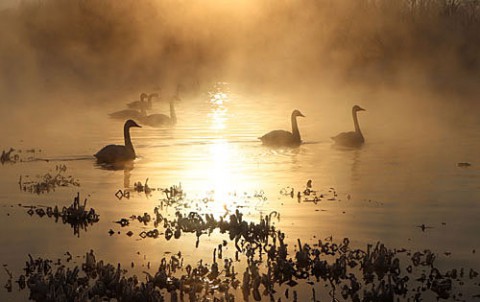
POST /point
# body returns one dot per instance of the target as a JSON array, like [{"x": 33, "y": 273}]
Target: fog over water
[
  {"x": 240, "y": 68},
  {"x": 422, "y": 58}
]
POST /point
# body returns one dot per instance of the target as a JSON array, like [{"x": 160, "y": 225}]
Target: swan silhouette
[
  {"x": 142, "y": 105},
  {"x": 159, "y": 119},
  {"x": 118, "y": 153},
  {"x": 282, "y": 138},
  {"x": 132, "y": 113},
  {"x": 128, "y": 113},
  {"x": 352, "y": 138}
]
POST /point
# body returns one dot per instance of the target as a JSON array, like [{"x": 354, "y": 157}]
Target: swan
[
  {"x": 159, "y": 119},
  {"x": 142, "y": 104},
  {"x": 353, "y": 138},
  {"x": 134, "y": 113},
  {"x": 119, "y": 153},
  {"x": 127, "y": 113},
  {"x": 138, "y": 104},
  {"x": 282, "y": 138}
]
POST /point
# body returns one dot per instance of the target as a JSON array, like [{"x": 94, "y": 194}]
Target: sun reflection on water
[
  {"x": 218, "y": 113},
  {"x": 212, "y": 163},
  {"x": 220, "y": 174},
  {"x": 218, "y": 118},
  {"x": 220, "y": 151},
  {"x": 220, "y": 169}
]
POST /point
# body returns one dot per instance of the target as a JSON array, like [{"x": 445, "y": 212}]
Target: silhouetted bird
[
  {"x": 119, "y": 153},
  {"x": 138, "y": 104},
  {"x": 159, "y": 119},
  {"x": 142, "y": 105},
  {"x": 282, "y": 138},
  {"x": 128, "y": 113},
  {"x": 353, "y": 138},
  {"x": 132, "y": 113}
]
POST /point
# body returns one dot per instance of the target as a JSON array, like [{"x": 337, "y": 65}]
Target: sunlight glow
[
  {"x": 218, "y": 118},
  {"x": 220, "y": 174},
  {"x": 218, "y": 113}
]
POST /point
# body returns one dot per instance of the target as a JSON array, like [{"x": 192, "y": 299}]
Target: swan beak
[
  {"x": 361, "y": 109},
  {"x": 302, "y": 115}
]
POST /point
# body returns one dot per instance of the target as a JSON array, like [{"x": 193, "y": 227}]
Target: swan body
[
  {"x": 119, "y": 153},
  {"x": 127, "y": 114},
  {"x": 352, "y": 138},
  {"x": 138, "y": 104},
  {"x": 282, "y": 138},
  {"x": 159, "y": 119},
  {"x": 142, "y": 105}
]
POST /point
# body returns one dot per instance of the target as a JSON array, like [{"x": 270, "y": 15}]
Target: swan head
[
  {"x": 143, "y": 96},
  {"x": 131, "y": 123},
  {"x": 296, "y": 113},
  {"x": 357, "y": 108}
]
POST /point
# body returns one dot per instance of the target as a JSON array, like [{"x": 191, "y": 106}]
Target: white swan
[
  {"x": 118, "y": 153},
  {"x": 353, "y": 138},
  {"x": 159, "y": 119},
  {"x": 142, "y": 105},
  {"x": 282, "y": 138},
  {"x": 138, "y": 104}
]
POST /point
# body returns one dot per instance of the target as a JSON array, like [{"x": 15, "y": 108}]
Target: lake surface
[{"x": 404, "y": 177}]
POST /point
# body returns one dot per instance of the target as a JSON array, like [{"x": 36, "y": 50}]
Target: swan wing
[
  {"x": 127, "y": 113},
  {"x": 113, "y": 153},
  {"x": 134, "y": 105},
  {"x": 277, "y": 137},
  {"x": 348, "y": 139},
  {"x": 157, "y": 120},
  {"x": 138, "y": 105}
]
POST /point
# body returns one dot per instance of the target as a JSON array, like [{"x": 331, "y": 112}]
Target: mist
[
  {"x": 229, "y": 79},
  {"x": 418, "y": 54}
]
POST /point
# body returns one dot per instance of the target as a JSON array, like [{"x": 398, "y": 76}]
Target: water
[{"x": 402, "y": 178}]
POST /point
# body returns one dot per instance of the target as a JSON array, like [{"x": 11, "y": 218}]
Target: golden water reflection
[
  {"x": 213, "y": 152},
  {"x": 219, "y": 112}
]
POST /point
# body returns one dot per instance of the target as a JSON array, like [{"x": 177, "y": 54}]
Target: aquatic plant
[
  {"x": 47, "y": 182},
  {"x": 8, "y": 157},
  {"x": 374, "y": 274},
  {"x": 262, "y": 267},
  {"x": 14, "y": 156},
  {"x": 76, "y": 215}
]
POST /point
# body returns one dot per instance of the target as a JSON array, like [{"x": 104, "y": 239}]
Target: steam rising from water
[{"x": 420, "y": 55}]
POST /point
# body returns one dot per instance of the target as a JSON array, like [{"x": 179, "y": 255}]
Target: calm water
[{"x": 403, "y": 177}]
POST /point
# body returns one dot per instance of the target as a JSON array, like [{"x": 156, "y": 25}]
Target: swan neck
[
  {"x": 295, "y": 131},
  {"x": 355, "y": 122},
  {"x": 173, "y": 116},
  {"x": 128, "y": 141}
]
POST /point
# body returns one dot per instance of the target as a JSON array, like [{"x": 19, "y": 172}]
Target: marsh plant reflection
[
  {"x": 270, "y": 270},
  {"x": 48, "y": 182},
  {"x": 76, "y": 215}
]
